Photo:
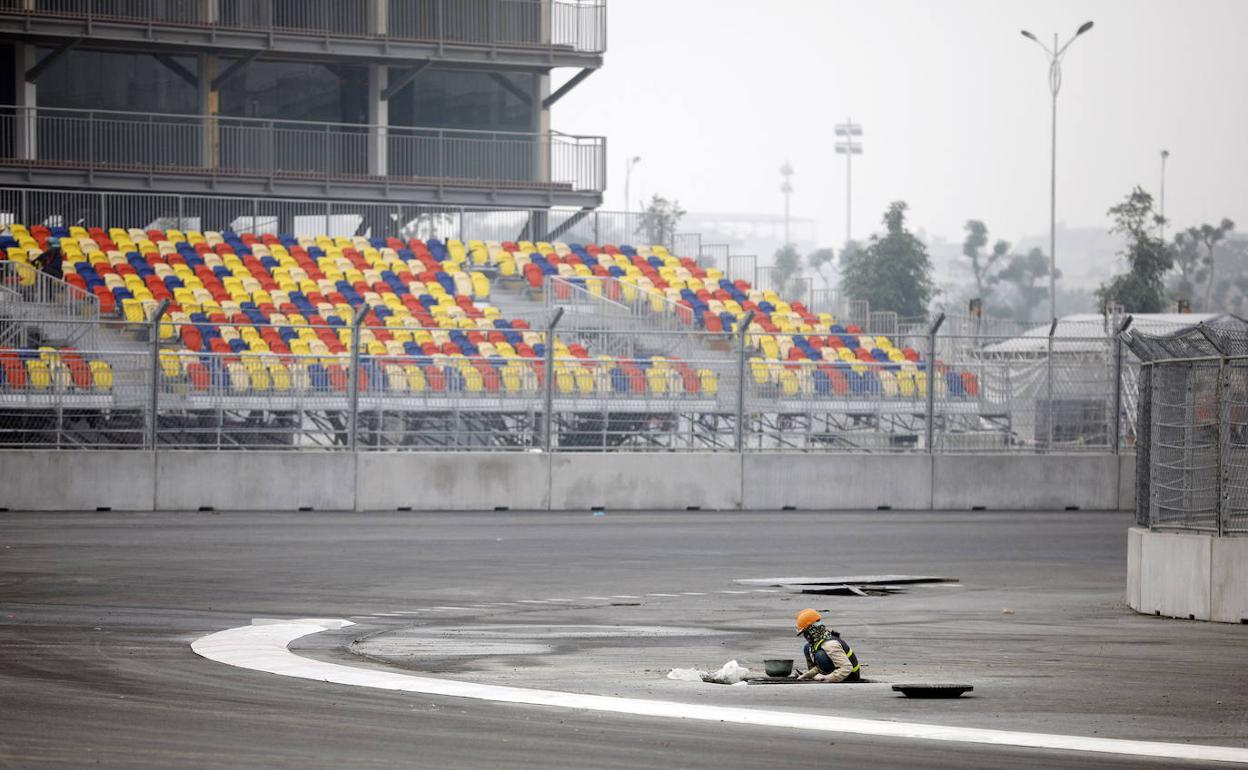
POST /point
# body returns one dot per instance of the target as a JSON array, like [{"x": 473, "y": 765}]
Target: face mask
[{"x": 816, "y": 635}]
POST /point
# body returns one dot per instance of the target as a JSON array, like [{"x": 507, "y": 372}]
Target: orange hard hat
[{"x": 806, "y": 618}]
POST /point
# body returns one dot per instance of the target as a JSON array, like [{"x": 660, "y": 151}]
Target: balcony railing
[
  {"x": 100, "y": 141},
  {"x": 576, "y": 25}
]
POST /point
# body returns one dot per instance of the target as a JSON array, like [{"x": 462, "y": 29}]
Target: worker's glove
[{"x": 810, "y": 673}]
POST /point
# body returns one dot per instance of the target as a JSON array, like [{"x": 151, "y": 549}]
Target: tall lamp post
[
  {"x": 847, "y": 145},
  {"x": 1055, "y": 84},
  {"x": 786, "y": 187},
  {"x": 628, "y": 180},
  {"x": 1165, "y": 155}
]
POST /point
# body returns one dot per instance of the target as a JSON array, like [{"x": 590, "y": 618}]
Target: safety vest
[{"x": 849, "y": 653}]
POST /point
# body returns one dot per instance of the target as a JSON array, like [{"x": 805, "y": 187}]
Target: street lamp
[
  {"x": 628, "y": 180},
  {"x": 846, "y": 145},
  {"x": 1055, "y": 84},
  {"x": 1165, "y": 155}
]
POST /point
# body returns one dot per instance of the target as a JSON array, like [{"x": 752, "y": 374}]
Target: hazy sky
[{"x": 716, "y": 94}]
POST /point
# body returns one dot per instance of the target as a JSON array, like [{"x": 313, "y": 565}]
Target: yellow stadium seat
[
  {"x": 710, "y": 382},
  {"x": 396, "y": 379},
  {"x": 280, "y": 377},
  {"x": 415, "y": 378}
]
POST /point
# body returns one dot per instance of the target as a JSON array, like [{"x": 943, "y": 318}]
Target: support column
[
  {"x": 25, "y": 97},
  {"x": 378, "y": 119},
  {"x": 209, "y": 103},
  {"x": 379, "y": 17},
  {"x": 541, "y": 126},
  {"x": 210, "y": 11}
]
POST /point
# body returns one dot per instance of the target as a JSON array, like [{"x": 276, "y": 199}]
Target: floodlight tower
[
  {"x": 786, "y": 187},
  {"x": 848, "y": 145},
  {"x": 1055, "y": 85}
]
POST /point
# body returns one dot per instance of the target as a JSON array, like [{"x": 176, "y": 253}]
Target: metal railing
[
  {"x": 147, "y": 143},
  {"x": 261, "y": 215},
  {"x": 36, "y": 308},
  {"x": 1192, "y": 468},
  {"x": 576, "y": 25}
]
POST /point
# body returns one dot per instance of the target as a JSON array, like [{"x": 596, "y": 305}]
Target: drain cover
[{"x": 932, "y": 690}]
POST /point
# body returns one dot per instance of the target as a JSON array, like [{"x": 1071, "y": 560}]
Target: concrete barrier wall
[
  {"x": 645, "y": 481},
  {"x": 1026, "y": 482},
  {"x": 1188, "y": 575},
  {"x": 76, "y": 481},
  {"x": 477, "y": 481},
  {"x": 257, "y": 481},
  {"x": 837, "y": 481}
]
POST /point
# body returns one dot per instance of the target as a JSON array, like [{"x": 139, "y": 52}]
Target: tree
[
  {"x": 852, "y": 247},
  {"x": 659, "y": 220},
  {"x": 893, "y": 272},
  {"x": 1141, "y": 290},
  {"x": 818, "y": 260},
  {"x": 1209, "y": 236},
  {"x": 981, "y": 265},
  {"x": 1231, "y": 291},
  {"x": 1190, "y": 263},
  {"x": 788, "y": 264},
  {"x": 1023, "y": 272}
]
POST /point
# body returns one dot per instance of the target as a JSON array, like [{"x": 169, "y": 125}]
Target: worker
[
  {"x": 828, "y": 656},
  {"x": 50, "y": 261}
]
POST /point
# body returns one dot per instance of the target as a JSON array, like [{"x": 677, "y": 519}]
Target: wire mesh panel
[
  {"x": 1144, "y": 447},
  {"x": 651, "y": 403},
  {"x": 210, "y": 400},
  {"x": 1234, "y": 452},
  {"x": 1185, "y": 445},
  {"x": 71, "y": 399},
  {"x": 441, "y": 403}
]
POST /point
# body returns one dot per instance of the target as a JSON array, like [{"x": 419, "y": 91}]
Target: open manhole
[{"x": 932, "y": 690}]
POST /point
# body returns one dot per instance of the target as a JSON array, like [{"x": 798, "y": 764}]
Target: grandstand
[{"x": 242, "y": 321}]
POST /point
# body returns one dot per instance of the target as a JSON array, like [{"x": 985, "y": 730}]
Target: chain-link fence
[
  {"x": 1192, "y": 464},
  {"x": 621, "y": 381}
]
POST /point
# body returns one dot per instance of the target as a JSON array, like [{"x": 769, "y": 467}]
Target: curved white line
[{"x": 264, "y": 648}]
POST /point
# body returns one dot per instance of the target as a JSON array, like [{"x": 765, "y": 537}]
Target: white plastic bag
[{"x": 729, "y": 673}]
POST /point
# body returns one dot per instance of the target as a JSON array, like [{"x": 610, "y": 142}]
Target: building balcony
[
  {"x": 215, "y": 154},
  {"x": 538, "y": 33}
]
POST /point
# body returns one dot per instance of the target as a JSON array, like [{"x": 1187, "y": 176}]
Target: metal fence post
[
  {"x": 549, "y": 365},
  {"x": 1222, "y": 435},
  {"x": 1117, "y": 440},
  {"x": 353, "y": 381},
  {"x": 742, "y": 330},
  {"x": 1048, "y": 363},
  {"x": 154, "y": 424},
  {"x": 930, "y": 416}
]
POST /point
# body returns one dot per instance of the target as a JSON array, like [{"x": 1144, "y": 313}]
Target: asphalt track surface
[{"x": 98, "y": 611}]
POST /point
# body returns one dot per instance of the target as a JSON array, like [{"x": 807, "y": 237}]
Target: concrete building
[{"x": 430, "y": 102}]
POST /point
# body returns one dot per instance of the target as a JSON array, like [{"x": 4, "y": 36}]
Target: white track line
[
  {"x": 673, "y": 595},
  {"x": 692, "y": 593},
  {"x": 264, "y": 648},
  {"x": 625, "y": 596}
]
